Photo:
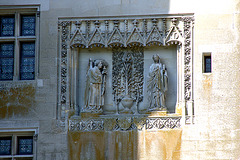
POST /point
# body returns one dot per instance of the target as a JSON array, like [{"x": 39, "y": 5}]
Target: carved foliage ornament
[
  {"x": 127, "y": 74},
  {"x": 63, "y": 67},
  {"x": 188, "y": 23}
]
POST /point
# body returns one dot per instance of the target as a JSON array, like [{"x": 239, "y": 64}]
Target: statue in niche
[
  {"x": 157, "y": 85},
  {"x": 95, "y": 86}
]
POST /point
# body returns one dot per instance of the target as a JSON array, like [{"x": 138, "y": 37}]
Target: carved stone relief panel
[
  {"x": 127, "y": 77},
  {"x": 135, "y": 32}
]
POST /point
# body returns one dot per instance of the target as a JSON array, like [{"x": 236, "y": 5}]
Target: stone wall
[{"x": 215, "y": 132}]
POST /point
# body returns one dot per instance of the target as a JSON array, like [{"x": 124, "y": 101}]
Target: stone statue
[
  {"x": 157, "y": 85},
  {"x": 95, "y": 86}
]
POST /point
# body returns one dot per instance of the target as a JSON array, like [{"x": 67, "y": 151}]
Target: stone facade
[{"x": 202, "y": 109}]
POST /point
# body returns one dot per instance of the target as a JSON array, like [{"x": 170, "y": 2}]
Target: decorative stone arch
[{"x": 125, "y": 31}]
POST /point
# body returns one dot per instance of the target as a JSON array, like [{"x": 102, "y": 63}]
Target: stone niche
[
  {"x": 168, "y": 57},
  {"x": 119, "y": 99}
]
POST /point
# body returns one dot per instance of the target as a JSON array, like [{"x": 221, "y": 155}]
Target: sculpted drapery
[
  {"x": 157, "y": 85},
  {"x": 95, "y": 86}
]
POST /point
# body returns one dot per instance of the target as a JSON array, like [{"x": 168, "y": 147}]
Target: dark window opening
[
  {"x": 6, "y": 61},
  {"x": 27, "y": 61},
  {"x": 25, "y": 145},
  {"x": 5, "y": 145},
  {"x": 207, "y": 64},
  {"x": 7, "y": 26},
  {"x": 28, "y": 25}
]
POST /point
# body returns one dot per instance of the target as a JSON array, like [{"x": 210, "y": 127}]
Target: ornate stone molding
[
  {"x": 126, "y": 31},
  {"x": 124, "y": 124},
  {"x": 88, "y": 33},
  {"x": 188, "y": 57},
  {"x": 86, "y": 125},
  {"x": 161, "y": 123}
]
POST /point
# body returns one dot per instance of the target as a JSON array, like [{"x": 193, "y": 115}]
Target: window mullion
[
  {"x": 37, "y": 35},
  {"x": 13, "y": 146},
  {"x": 17, "y": 59},
  {"x": 16, "y": 49}
]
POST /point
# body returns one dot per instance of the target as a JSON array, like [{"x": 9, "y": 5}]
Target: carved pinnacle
[
  {"x": 174, "y": 21},
  {"x": 97, "y": 23},
  {"x": 135, "y": 23},
  {"x": 78, "y": 24},
  {"x": 116, "y": 23},
  {"x": 154, "y": 21}
]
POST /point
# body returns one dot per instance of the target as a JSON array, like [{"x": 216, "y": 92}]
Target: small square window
[
  {"x": 28, "y": 25},
  {"x": 7, "y": 26},
  {"x": 25, "y": 145},
  {"x": 5, "y": 145},
  {"x": 207, "y": 63},
  {"x": 6, "y": 61}
]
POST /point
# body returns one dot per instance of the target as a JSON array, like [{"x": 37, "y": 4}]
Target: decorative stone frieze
[
  {"x": 64, "y": 29},
  {"x": 124, "y": 123},
  {"x": 160, "y": 123},
  {"x": 187, "y": 57},
  {"x": 86, "y": 125},
  {"x": 90, "y": 33}
]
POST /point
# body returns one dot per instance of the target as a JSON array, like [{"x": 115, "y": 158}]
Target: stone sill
[
  {"x": 20, "y": 83},
  {"x": 16, "y": 156}
]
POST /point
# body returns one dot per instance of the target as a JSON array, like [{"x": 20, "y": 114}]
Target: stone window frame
[
  {"x": 15, "y": 134},
  {"x": 17, "y": 39},
  {"x": 72, "y": 38}
]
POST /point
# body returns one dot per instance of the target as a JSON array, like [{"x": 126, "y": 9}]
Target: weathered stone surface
[
  {"x": 163, "y": 144},
  {"x": 215, "y": 132},
  {"x": 17, "y": 101}
]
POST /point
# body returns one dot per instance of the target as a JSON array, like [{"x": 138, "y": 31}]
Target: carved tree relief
[{"x": 127, "y": 76}]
